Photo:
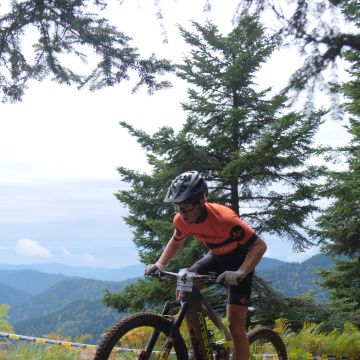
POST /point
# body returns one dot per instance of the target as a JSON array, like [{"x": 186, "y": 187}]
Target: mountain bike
[{"x": 148, "y": 336}]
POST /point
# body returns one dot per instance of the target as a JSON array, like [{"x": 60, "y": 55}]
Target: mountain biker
[{"x": 234, "y": 248}]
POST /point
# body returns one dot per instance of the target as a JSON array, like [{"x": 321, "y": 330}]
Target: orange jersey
[{"x": 221, "y": 231}]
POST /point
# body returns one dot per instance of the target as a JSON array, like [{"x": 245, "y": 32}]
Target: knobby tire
[
  {"x": 132, "y": 322},
  {"x": 269, "y": 336}
]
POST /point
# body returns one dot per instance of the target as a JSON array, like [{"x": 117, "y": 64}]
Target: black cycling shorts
[{"x": 237, "y": 294}]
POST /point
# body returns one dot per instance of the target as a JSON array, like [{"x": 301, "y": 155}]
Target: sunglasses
[{"x": 185, "y": 208}]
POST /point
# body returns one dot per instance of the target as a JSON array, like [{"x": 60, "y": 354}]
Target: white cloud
[
  {"x": 66, "y": 252},
  {"x": 89, "y": 258},
  {"x": 31, "y": 248}
]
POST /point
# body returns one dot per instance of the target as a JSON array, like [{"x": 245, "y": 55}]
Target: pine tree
[
  {"x": 252, "y": 151},
  {"x": 256, "y": 151},
  {"x": 340, "y": 223}
]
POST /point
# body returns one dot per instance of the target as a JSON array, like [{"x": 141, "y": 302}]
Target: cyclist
[{"x": 234, "y": 248}]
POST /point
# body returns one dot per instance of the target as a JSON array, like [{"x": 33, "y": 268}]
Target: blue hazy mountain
[
  {"x": 269, "y": 263},
  {"x": 77, "y": 318},
  {"x": 11, "y": 296},
  {"x": 105, "y": 274},
  {"x": 62, "y": 294},
  {"x": 294, "y": 279},
  {"x": 30, "y": 281}
]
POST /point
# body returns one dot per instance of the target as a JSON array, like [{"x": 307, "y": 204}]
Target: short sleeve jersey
[{"x": 222, "y": 231}]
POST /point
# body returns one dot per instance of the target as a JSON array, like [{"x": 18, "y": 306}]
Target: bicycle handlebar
[{"x": 208, "y": 278}]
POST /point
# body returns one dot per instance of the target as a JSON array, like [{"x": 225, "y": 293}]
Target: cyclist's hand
[
  {"x": 231, "y": 277},
  {"x": 153, "y": 269}
]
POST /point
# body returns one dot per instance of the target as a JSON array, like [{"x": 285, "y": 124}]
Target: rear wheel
[
  {"x": 128, "y": 339},
  {"x": 266, "y": 344}
]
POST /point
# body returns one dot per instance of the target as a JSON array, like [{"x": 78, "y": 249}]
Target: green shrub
[
  {"x": 4, "y": 324},
  {"x": 311, "y": 340}
]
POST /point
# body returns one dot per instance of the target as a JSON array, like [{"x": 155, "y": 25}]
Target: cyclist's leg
[
  {"x": 237, "y": 309},
  {"x": 237, "y": 304},
  {"x": 237, "y": 325},
  {"x": 238, "y": 297},
  {"x": 205, "y": 265}
]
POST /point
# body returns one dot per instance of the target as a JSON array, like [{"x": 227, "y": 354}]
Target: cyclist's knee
[
  {"x": 237, "y": 318},
  {"x": 236, "y": 327}
]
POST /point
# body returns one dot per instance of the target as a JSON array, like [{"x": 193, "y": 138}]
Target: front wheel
[
  {"x": 266, "y": 344},
  {"x": 128, "y": 339}
]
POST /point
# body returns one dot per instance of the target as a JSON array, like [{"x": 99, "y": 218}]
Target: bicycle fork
[
  {"x": 196, "y": 324},
  {"x": 164, "y": 354}
]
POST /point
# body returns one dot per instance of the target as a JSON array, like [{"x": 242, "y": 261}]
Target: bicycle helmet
[{"x": 187, "y": 187}]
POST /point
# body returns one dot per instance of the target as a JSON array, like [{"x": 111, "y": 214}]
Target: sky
[{"x": 60, "y": 148}]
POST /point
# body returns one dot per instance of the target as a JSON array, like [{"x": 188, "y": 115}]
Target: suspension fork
[{"x": 174, "y": 327}]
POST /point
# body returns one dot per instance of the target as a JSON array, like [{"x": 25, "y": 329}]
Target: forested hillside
[
  {"x": 294, "y": 279},
  {"x": 61, "y": 295},
  {"x": 11, "y": 296},
  {"x": 77, "y": 318},
  {"x": 269, "y": 263}
]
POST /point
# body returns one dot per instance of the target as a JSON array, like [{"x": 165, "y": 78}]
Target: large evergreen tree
[
  {"x": 250, "y": 148},
  {"x": 340, "y": 223},
  {"x": 256, "y": 150}
]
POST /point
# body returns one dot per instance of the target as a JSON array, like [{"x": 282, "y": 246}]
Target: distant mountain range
[
  {"x": 62, "y": 294},
  {"x": 58, "y": 299},
  {"x": 105, "y": 274},
  {"x": 77, "y": 318},
  {"x": 10, "y": 295},
  {"x": 269, "y": 263},
  {"x": 54, "y": 272},
  {"x": 30, "y": 281}
]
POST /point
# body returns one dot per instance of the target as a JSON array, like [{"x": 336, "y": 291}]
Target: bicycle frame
[{"x": 193, "y": 307}]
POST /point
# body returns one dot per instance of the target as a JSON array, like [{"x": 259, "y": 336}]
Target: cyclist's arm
[
  {"x": 171, "y": 249},
  {"x": 256, "y": 251}
]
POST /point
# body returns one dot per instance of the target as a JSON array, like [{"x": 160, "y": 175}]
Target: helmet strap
[{"x": 203, "y": 213}]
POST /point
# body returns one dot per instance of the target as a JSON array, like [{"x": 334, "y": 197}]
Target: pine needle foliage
[
  {"x": 322, "y": 31},
  {"x": 73, "y": 29},
  {"x": 339, "y": 225}
]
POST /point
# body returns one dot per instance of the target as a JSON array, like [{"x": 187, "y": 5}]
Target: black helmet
[{"x": 188, "y": 186}]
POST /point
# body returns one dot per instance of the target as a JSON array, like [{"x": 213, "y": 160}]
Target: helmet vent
[{"x": 188, "y": 185}]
